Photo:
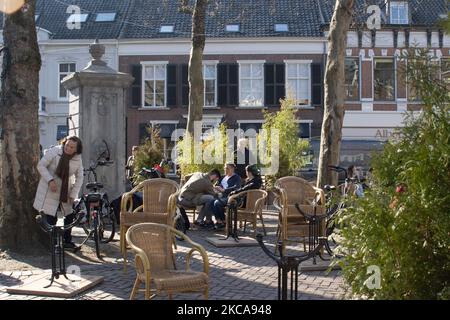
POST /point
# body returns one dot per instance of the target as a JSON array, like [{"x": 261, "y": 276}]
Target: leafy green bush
[
  {"x": 291, "y": 147},
  {"x": 148, "y": 154},
  {"x": 217, "y": 141},
  {"x": 407, "y": 235}
]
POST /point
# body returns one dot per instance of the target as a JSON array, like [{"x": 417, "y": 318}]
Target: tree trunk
[
  {"x": 19, "y": 140},
  {"x": 333, "y": 117},
  {"x": 196, "y": 90}
]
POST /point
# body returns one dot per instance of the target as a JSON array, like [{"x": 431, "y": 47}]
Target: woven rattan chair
[
  {"x": 253, "y": 208},
  {"x": 155, "y": 265},
  {"x": 159, "y": 197},
  {"x": 289, "y": 191}
]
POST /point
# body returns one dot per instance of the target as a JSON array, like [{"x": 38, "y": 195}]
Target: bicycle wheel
[{"x": 107, "y": 222}]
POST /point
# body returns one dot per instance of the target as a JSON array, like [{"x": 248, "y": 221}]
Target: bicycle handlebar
[{"x": 42, "y": 220}]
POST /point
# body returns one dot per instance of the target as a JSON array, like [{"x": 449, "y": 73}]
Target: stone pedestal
[{"x": 97, "y": 105}]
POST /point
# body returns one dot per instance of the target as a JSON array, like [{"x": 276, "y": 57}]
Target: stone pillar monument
[{"x": 97, "y": 97}]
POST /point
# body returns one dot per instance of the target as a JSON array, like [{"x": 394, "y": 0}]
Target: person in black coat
[{"x": 254, "y": 181}]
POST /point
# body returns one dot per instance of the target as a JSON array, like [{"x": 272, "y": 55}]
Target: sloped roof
[
  {"x": 423, "y": 12},
  {"x": 255, "y": 17}
]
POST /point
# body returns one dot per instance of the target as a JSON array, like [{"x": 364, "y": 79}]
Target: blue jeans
[{"x": 218, "y": 208}]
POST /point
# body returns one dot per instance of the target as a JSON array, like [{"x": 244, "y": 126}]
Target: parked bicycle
[
  {"x": 99, "y": 221},
  {"x": 336, "y": 198}
]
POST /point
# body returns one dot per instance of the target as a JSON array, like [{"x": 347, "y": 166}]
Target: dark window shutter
[
  {"x": 316, "y": 83},
  {"x": 274, "y": 75},
  {"x": 136, "y": 87},
  {"x": 228, "y": 84},
  {"x": 222, "y": 80},
  {"x": 233, "y": 80},
  {"x": 171, "y": 85},
  {"x": 184, "y": 85},
  {"x": 269, "y": 85}
]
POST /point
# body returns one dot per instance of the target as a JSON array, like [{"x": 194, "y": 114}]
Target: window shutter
[
  {"x": 233, "y": 84},
  {"x": 184, "y": 85},
  {"x": 316, "y": 83},
  {"x": 228, "y": 84},
  {"x": 171, "y": 85},
  {"x": 136, "y": 87},
  {"x": 274, "y": 75}
]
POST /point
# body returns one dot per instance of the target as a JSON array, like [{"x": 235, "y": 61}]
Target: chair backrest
[
  {"x": 156, "y": 194},
  {"x": 297, "y": 190},
  {"x": 252, "y": 197},
  {"x": 156, "y": 241}
]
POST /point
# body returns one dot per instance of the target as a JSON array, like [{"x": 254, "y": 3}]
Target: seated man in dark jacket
[
  {"x": 229, "y": 182},
  {"x": 254, "y": 181}
]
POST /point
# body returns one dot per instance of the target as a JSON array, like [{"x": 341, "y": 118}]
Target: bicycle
[
  {"x": 99, "y": 221},
  {"x": 335, "y": 204}
]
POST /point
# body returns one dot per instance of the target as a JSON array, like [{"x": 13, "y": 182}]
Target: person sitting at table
[
  {"x": 254, "y": 181},
  {"x": 199, "y": 191},
  {"x": 230, "y": 182}
]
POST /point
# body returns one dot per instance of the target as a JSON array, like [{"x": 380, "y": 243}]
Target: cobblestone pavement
[{"x": 235, "y": 273}]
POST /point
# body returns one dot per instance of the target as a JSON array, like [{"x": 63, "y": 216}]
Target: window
[
  {"x": 61, "y": 132},
  {"x": 105, "y": 17},
  {"x": 281, "y": 27},
  {"x": 298, "y": 81},
  {"x": 76, "y": 17},
  {"x": 210, "y": 82},
  {"x": 232, "y": 28},
  {"x": 384, "y": 79},
  {"x": 352, "y": 79},
  {"x": 251, "y": 84},
  {"x": 304, "y": 130},
  {"x": 36, "y": 17},
  {"x": 166, "y": 29},
  {"x": 399, "y": 12},
  {"x": 154, "y": 77},
  {"x": 64, "y": 70}
]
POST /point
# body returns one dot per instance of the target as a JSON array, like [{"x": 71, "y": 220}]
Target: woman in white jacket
[{"x": 61, "y": 171}]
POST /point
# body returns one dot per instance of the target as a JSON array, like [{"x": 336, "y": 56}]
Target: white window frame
[
  {"x": 59, "y": 78},
  {"x": 395, "y": 80},
  {"x": 297, "y": 62},
  {"x": 143, "y": 79},
  {"x": 209, "y": 63},
  {"x": 399, "y": 5},
  {"x": 251, "y": 62}
]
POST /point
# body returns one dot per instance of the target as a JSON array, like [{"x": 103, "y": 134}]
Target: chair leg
[
  {"x": 245, "y": 225},
  {"x": 170, "y": 296},
  {"x": 147, "y": 287},
  {"x": 137, "y": 283},
  {"x": 206, "y": 293},
  {"x": 262, "y": 222}
]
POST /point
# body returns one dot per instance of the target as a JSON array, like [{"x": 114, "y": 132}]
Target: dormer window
[
  {"x": 398, "y": 12},
  {"x": 232, "y": 28},
  {"x": 281, "y": 27},
  {"x": 166, "y": 29},
  {"x": 77, "y": 17},
  {"x": 105, "y": 17}
]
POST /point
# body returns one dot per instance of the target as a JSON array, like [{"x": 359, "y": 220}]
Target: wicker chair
[
  {"x": 254, "y": 203},
  {"x": 289, "y": 191},
  {"x": 155, "y": 262},
  {"x": 159, "y": 197}
]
